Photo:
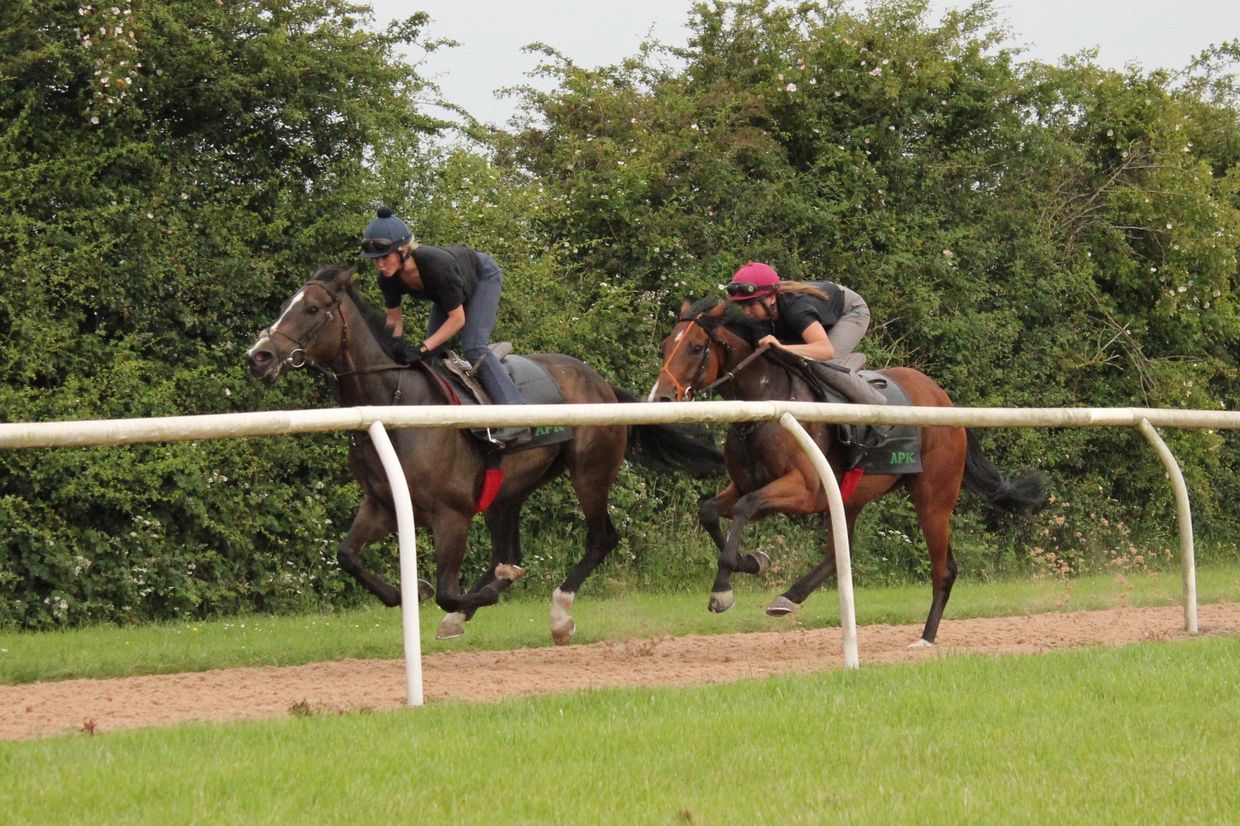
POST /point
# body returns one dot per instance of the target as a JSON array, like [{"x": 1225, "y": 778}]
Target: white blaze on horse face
[
  {"x": 265, "y": 337},
  {"x": 675, "y": 340},
  {"x": 293, "y": 302}
]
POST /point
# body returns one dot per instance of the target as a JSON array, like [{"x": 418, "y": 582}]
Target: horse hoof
[
  {"x": 511, "y": 573},
  {"x": 425, "y": 590},
  {"x": 764, "y": 561},
  {"x": 781, "y": 606},
  {"x": 562, "y": 625},
  {"x": 921, "y": 644},
  {"x": 561, "y": 634},
  {"x": 452, "y": 626},
  {"x": 721, "y": 601}
]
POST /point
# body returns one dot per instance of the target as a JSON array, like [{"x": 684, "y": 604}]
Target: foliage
[
  {"x": 1027, "y": 234},
  {"x": 170, "y": 170}
]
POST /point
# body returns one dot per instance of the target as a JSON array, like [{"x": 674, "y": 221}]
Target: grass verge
[{"x": 1135, "y": 734}]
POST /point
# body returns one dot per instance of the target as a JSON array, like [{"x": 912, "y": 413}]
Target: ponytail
[{"x": 803, "y": 288}]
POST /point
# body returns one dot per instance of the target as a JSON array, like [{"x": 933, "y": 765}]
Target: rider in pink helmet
[
  {"x": 753, "y": 280},
  {"x": 817, "y": 320}
]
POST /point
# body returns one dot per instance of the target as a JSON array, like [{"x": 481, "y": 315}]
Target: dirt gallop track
[{"x": 44, "y": 709}]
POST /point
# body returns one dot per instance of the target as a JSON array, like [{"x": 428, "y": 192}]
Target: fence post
[
  {"x": 1184, "y": 516},
  {"x": 407, "y": 538},
  {"x": 839, "y": 538}
]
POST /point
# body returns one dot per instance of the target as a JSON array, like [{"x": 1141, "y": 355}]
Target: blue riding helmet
[{"x": 386, "y": 233}]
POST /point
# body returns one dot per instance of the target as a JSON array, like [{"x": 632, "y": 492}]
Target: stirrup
[{"x": 510, "y": 437}]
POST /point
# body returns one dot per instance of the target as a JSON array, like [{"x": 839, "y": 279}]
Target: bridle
[
  {"x": 296, "y": 358},
  {"x": 688, "y": 391}
]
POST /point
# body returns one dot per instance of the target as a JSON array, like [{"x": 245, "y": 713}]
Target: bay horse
[
  {"x": 327, "y": 326},
  {"x": 713, "y": 343}
]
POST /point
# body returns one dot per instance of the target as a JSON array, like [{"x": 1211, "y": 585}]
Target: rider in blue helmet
[{"x": 464, "y": 288}]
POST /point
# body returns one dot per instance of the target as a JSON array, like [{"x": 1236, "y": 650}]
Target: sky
[{"x": 1153, "y": 33}]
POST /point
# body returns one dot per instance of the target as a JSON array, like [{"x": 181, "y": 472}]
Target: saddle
[
  {"x": 885, "y": 448},
  {"x": 459, "y": 381}
]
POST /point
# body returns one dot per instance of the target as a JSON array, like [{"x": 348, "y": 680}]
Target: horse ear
[
  {"x": 684, "y": 308},
  {"x": 344, "y": 278},
  {"x": 717, "y": 310}
]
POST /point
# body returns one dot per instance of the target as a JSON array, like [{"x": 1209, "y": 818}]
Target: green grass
[
  {"x": 521, "y": 621},
  {"x": 1139, "y": 734}
]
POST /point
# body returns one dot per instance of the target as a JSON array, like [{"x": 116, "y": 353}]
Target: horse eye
[
  {"x": 697, "y": 349},
  {"x": 312, "y": 310}
]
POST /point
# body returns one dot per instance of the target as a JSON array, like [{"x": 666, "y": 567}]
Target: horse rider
[
  {"x": 821, "y": 321},
  {"x": 464, "y": 288}
]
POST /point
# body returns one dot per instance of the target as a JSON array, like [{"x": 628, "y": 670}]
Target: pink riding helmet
[{"x": 753, "y": 280}]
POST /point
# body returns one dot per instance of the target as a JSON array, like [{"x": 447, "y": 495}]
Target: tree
[
  {"x": 1029, "y": 235},
  {"x": 170, "y": 171}
]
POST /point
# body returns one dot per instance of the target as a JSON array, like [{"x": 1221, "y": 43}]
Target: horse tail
[
  {"x": 1023, "y": 494},
  {"x": 670, "y": 448}
]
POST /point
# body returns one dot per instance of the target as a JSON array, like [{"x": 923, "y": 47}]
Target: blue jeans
[{"x": 480, "y": 311}]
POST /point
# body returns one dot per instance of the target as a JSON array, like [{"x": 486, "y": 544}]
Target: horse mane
[
  {"x": 733, "y": 318},
  {"x": 397, "y": 349}
]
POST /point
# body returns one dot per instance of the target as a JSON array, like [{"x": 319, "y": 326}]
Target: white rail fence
[{"x": 787, "y": 414}]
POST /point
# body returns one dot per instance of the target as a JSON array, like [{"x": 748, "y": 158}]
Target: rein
[{"x": 731, "y": 374}]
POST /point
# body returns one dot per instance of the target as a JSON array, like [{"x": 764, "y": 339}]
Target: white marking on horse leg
[
  {"x": 921, "y": 644},
  {"x": 562, "y": 625},
  {"x": 721, "y": 601},
  {"x": 509, "y": 572},
  {"x": 453, "y": 625}
]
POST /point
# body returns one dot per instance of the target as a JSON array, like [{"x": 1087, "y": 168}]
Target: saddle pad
[
  {"x": 534, "y": 383},
  {"x": 888, "y": 448}
]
